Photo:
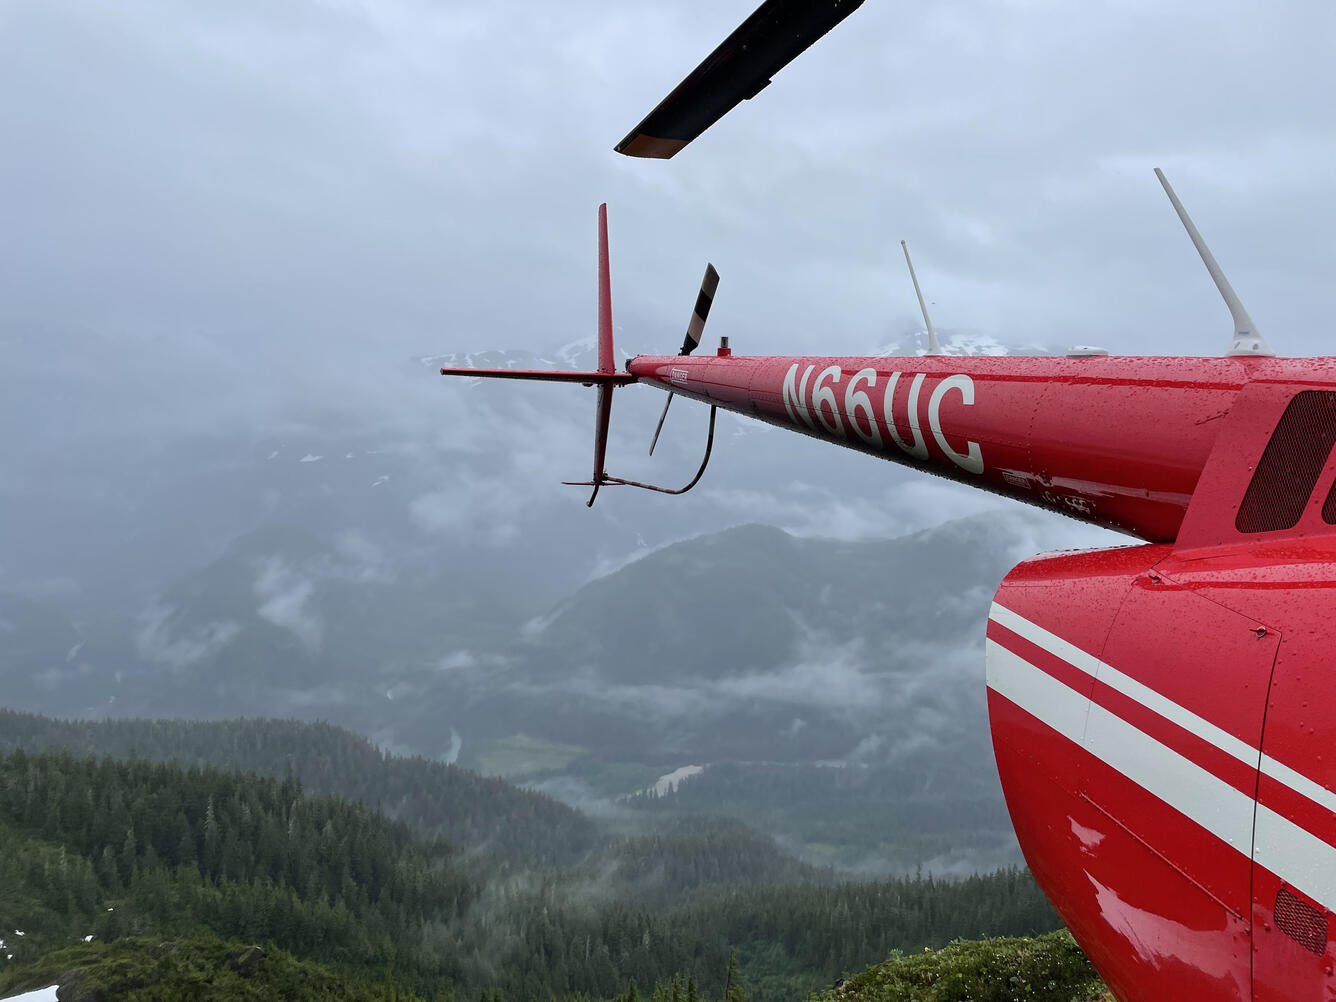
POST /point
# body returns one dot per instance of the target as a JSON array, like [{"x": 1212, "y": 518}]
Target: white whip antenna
[
  {"x": 1246, "y": 339},
  {"x": 933, "y": 347}
]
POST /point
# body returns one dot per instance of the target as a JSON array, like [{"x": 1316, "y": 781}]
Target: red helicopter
[{"x": 1158, "y": 714}]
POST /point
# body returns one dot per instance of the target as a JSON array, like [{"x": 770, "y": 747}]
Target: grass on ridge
[{"x": 1048, "y": 968}]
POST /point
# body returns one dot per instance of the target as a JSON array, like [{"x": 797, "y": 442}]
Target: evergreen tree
[{"x": 733, "y": 990}]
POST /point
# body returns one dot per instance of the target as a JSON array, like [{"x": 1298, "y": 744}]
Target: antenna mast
[
  {"x": 933, "y": 347},
  {"x": 1246, "y": 339}
]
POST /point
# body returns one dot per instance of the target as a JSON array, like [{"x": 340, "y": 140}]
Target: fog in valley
[{"x": 240, "y": 240}]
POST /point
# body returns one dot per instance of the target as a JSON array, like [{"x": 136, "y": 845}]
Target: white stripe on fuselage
[
  {"x": 1178, "y": 781},
  {"x": 1164, "y": 706},
  {"x": 1125, "y": 684},
  {"x": 1287, "y": 850}
]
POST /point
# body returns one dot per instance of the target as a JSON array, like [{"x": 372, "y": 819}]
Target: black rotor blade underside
[{"x": 762, "y": 45}]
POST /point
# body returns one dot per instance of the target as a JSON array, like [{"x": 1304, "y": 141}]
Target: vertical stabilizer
[
  {"x": 1246, "y": 340},
  {"x": 606, "y": 361}
]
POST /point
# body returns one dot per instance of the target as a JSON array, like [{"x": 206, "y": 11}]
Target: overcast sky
[{"x": 362, "y": 180}]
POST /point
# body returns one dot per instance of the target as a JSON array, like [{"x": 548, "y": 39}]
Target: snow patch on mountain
[
  {"x": 40, "y": 995},
  {"x": 957, "y": 343},
  {"x": 669, "y": 782}
]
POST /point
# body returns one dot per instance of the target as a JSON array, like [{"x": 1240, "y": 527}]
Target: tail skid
[
  {"x": 606, "y": 378},
  {"x": 619, "y": 482}
]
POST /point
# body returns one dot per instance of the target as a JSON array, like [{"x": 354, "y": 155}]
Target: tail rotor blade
[
  {"x": 696, "y": 327},
  {"x": 659, "y": 427}
]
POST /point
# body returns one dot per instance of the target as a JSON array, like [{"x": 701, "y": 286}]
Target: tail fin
[
  {"x": 606, "y": 378},
  {"x": 606, "y": 374},
  {"x": 606, "y": 362}
]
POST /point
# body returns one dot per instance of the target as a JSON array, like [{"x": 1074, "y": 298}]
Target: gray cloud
[
  {"x": 157, "y": 643},
  {"x": 284, "y": 594},
  {"x": 247, "y": 218},
  {"x": 360, "y": 178},
  {"x": 361, "y": 560},
  {"x": 827, "y": 675}
]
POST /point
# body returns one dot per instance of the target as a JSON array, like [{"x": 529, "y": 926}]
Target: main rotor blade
[{"x": 775, "y": 33}]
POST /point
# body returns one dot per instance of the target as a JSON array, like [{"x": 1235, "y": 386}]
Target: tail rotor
[{"x": 695, "y": 328}]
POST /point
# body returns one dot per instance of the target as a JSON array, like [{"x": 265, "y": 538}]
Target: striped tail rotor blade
[{"x": 696, "y": 327}]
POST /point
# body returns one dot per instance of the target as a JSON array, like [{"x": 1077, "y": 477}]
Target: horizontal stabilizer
[
  {"x": 550, "y": 375},
  {"x": 776, "y": 33}
]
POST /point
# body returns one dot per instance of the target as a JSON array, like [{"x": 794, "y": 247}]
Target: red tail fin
[
  {"x": 606, "y": 374},
  {"x": 606, "y": 378},
  {"x": 606, "y": 361}
]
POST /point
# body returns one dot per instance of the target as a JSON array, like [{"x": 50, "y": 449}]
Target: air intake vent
[
  {"x": 1300, "y": 921},
  {"x": 1329, "y": 506},
  {"x": 1290, "y": 465}
]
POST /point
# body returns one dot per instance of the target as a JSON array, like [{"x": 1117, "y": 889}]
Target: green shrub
[{"x": 1048, "y": 968}]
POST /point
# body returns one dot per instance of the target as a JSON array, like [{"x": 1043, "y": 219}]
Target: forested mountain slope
[
  {"x": 434, "y": 798},
  {"x": 121, "y": 849},
  {"x": 109, "y": 849}
]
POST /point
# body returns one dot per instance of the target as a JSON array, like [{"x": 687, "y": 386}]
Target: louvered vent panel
[
  {"x": 1329, "y": 506},
  {"x": 1293, "y": 460},
  {"x": 1300, "y": 921}
]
